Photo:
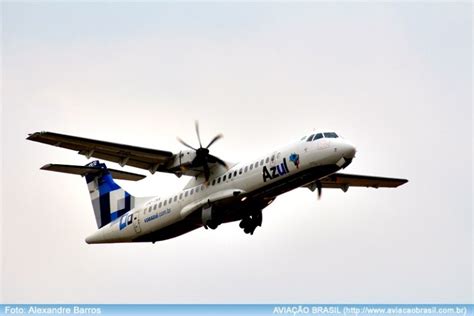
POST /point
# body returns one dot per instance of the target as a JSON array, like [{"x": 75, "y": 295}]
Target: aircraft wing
[
  {"x": 344, "y": 181},
  {"x": 144, "y": 158}
]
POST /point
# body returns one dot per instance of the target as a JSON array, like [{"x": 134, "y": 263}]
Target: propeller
[
  {"x": 203, "y": 157},
  {"x": 319, "y": 186}
]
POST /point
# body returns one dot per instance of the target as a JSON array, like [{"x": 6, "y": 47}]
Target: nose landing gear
[{"x": 250, "y": 223}]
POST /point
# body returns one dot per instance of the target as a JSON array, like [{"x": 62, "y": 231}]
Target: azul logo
[
  {"x": 295, "y": 158},
  {"x": 275, "y": 171}
]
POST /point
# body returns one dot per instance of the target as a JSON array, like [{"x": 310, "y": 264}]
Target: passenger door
[{"x": 136, "y": 222}]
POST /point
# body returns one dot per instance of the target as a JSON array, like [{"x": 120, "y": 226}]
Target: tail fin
[{"x": 109, "y": 200}]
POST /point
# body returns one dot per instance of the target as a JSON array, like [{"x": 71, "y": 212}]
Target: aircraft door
[{"x": 136, "y": 222}]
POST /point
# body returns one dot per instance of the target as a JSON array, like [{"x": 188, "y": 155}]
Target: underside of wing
[
  {"x": 344, "y": 181},
  {"x": 144, "y": 158}
]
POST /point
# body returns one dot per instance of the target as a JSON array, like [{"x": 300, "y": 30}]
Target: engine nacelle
[
  {"x": 182, "y": 163},
  {"x": 184, "y": 158}
]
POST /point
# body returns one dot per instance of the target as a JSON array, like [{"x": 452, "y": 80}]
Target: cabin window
[
  {"x": 261, "y": 162},
  {"x": 240, "y": 171},
  {"x": 230, "y": 175},
  {"x": 175, "y": 198},
  {"x": 180, "y": 196},
  {"x": 164, "y": 203},
  {"x": 170, "y": 200},
  {"x": 235, "y": 173},
  {"x": 160, "y": 205},
  {"x": 224, "y": 178},
  {"x": 256, "y": 165},
  {"x": 213, "y": 181},
  {"x": 197, "y": 189},
  {"x": 185, "y": 193},
  {"x": 273, "y": 157},
  {"x": 246, "y": 168},
  {"x": 192, "y": 191},
  {"x": 154, "y": 207},
  {"x": 267, "y": 160}
]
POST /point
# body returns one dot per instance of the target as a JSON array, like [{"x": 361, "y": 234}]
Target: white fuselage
[{"x": 237, "y": 182}]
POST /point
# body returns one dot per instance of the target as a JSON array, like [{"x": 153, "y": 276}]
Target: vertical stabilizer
[{"x": 109, "y": 200}]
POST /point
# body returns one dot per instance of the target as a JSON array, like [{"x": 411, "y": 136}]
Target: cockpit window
[
  {"x": 310, "y": 138},
  {"x": 330, "y": 135},
  {"x": 318, "y": 136}
]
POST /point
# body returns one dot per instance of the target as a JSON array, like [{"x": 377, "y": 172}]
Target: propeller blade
[
  {"x": 216, "y": 138},
  {"x": 218, "y": 160},
  {"x": 320, "y": 189},
  {"x": 207, "y": 172},
  {"x": 184, "y": 143},
  {"x": 196, "y": 125},
  {"x": 203, "y": 157}
]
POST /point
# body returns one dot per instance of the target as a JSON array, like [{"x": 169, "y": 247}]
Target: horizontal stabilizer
[{"x": 82, "y": 171}]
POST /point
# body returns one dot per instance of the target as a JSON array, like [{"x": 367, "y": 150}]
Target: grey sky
[{"x": 395, "y": 79}]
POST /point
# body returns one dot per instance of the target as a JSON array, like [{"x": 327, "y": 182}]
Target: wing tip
[
  {"x": 399, "y": 182},
  {"x": 33, "y": 136},
  {"x": 46, "y": 167}
]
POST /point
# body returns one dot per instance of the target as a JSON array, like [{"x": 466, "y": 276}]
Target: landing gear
[
  {"x": 250, "y": 223},
  {"x": 209, "y": 217},
  {"x": 212, "y": 224}
]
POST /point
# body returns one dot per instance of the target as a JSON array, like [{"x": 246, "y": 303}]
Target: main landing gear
[
  {"x": 212, "y": 224},
  {"x": 250, "y": 223}
]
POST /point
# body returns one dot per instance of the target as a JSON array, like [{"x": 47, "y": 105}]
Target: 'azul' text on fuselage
[{"x": 275, "y": 171}]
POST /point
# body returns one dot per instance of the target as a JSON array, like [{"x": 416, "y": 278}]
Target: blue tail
[{"x": 109, "y": 200}]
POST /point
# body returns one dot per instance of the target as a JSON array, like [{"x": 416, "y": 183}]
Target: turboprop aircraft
[{"x": 218, "y": 191}]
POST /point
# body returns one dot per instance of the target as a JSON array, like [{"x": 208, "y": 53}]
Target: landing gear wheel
[
  {"x": 245, "y": 222},
  {"x": 257, "y": 218},
  {"x": 249, "y": 229},
  {"x": 212, "y": 224},
  {"x": 249, "y": 224}
]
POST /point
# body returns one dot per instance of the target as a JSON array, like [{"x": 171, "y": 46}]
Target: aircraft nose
[{"x": 348, "y": 150}]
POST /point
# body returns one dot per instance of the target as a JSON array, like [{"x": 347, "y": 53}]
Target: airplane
[{"x": 218, "y": 191}]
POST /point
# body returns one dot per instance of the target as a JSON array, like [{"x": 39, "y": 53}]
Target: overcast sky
[{"x": 395, "y": 79}]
